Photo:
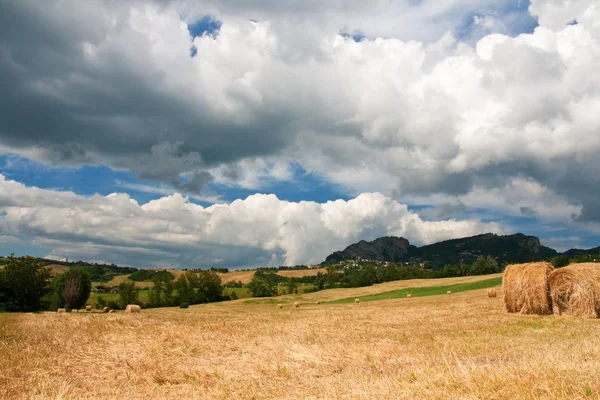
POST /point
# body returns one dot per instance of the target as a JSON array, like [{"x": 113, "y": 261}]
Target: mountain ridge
[{"x": 505, "y": 248}]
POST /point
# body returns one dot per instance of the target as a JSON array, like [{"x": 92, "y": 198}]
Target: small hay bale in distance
[
  {"x": 88, "y": 308},
  {"x": 105, "y": 310},
  {"x": 296, "y": 305},
  {"x": 356, "y": 301},
  {"x": 111, "y": 311},
  {"x": 317, "y": 302},
  {"x": 133, "y": 308},
  {"x": 526, "y": 288},
  {"x": 60, "y": 311},
  {"x": 279, "y": 305},
  {"x": 449, "y": 292},
  {"x": 491, "y": 292},
  {"x": 575, "y": 290},
  {"x": 409, "y": 295}
]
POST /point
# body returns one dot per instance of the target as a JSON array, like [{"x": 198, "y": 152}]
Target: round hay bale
[
  {"x": 356, "y": 301},
  {"x": 111, "y": 311},
  {"x": 88, "y": 308},
  {"x": 60, "y": 311},
  {"x": 105, "y": 310},
  {"x": 133, "y": 308},
  {"x": 575, "y": 290},
  {"x": 296, "y": 305},
  {"x": 526, "y": 289},
  {"x": 491, "y": 292},
  {"x": 409, "y": 295},
  {"x": 449, "y": 292},
  {"x": 317, "y": 302},
  {"x": 279, "y": 305}
]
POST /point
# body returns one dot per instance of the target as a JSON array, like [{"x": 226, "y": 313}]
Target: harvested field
[
  {"x": 56, "y": 269},
  {"x": 298, "y": 273},
  {"x": 440, "y": 347}
]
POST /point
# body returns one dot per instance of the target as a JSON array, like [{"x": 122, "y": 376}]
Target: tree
[
  {"x": 23, "y": 283},
  {"x": 292, "y": 285},
  {"x": 73, "y": 288},
  {"x": 185, "y": 292},
  {"x": 128, "y": 293},
  {"x": 560, "y": 261},
  {"x": 261, "y": 288},
  {"x": 484, "y": 266}
]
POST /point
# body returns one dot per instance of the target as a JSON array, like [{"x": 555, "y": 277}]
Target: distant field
[
  {"x": 297, "y": 273},
  {"x": 425, "y": 291},
  {"x": 462, "y": 346},
  {"x": 56, "y": 269},
  {"x": 331, "y": 295},
  {"x": 117, "y": 280}
]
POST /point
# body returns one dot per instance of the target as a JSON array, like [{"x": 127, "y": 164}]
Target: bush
[
  {"x": 560, "y": 261},
  {"x": 233, "y": 296},
  {"x": 311, "y": 289},
  {"x": 101, "y": 303},
  {"x": 113, "y": 305},
  {"x": 184, "y": 305}
]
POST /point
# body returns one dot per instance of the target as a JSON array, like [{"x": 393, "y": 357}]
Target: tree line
[{"x": 26, "y": 286}]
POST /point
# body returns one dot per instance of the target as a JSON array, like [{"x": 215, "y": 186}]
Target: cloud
[
  {"x": 259, "y": 230},
  {"x": 403, "y": 113}
]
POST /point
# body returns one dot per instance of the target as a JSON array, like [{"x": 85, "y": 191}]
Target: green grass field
[
  {"x": 424, "y": 291},
  {"x": 143, "y": 297}
]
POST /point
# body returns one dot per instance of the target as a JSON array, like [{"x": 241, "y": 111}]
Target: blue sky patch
[{"x": 207, "y": 25}]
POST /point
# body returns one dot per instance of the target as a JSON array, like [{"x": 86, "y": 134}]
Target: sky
[{"x": 248, "y": 133}]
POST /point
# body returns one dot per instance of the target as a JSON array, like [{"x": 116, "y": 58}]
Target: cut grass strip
[{"x": 423, "y": 291}]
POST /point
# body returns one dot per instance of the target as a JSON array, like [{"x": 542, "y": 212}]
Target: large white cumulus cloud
[
  {"x": 260, "y": 230},
  {"x": 438, "y": 116}
]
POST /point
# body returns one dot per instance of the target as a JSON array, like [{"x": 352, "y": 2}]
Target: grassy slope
[
  {"x": 437, "y": 347},
  {"x": 425, "y": 291},
  {"x": 331, "y": 295}
]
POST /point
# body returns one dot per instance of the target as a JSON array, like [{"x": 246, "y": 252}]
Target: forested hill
[{"x": 505, "y": 249}]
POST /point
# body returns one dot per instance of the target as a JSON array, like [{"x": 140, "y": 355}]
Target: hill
[
  {"x": 506, "y": 249},
  {"x": 582, "y": 252}
]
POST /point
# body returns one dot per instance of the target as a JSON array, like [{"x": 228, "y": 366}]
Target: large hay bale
[
  {"x": 279, "y": 305},
  {"x": 575, "y": 290},
  {"x": 526, "y": 289},
  {"x": 491, "y": 292},
  {"x": 296, "y": 305},
  {"x": 88, "y": 308},
  {"x": 409, "y": 295},
  {"x": 111, "y": 311},
  {"x": 105, "y": 310},
  {"x": 356, "y": 301},
  {"x": 60, "y": 311},
  {"x": 449, "y": 292},
  {"x": 317, "y": 302},
  {"x": 133, "y": 308}
]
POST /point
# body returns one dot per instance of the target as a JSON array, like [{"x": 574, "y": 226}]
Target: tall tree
[
  {"x": 23, "y": 283},
  {"x": 73, "y": 288},
  {"x": 128, "y": 294}
]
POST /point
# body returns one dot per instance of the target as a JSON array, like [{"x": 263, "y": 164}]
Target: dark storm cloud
[{"x": 112, "y": 110}]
